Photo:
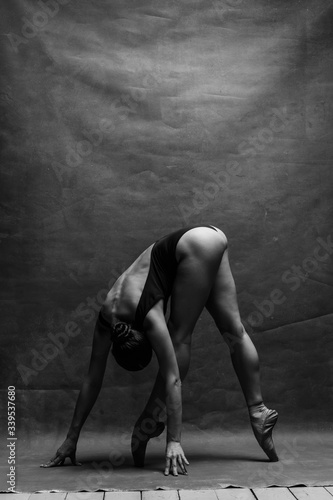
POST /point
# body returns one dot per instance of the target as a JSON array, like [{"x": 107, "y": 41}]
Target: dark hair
[{"x": 130, "y": 347}]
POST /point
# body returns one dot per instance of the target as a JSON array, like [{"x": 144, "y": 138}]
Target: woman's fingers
[
  {"x": 174, "y": 466},
  {"x": 171, "y": 463},
  {"x": 67, "y": 449},
  {"x": 167, "y": 466},
  {"x": 57, "y": 460},
  {"x": 182, "y": 461}
]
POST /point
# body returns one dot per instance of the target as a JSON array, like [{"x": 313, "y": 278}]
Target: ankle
[{"x": 255, "y": 410}]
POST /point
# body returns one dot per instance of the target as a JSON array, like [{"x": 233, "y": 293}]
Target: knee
[
  {"x": 236, "y": 329},
  {"x": 182, "y": 348},
  {"x": 234, "y": 335},
  {"x": 180, "y": 334}
]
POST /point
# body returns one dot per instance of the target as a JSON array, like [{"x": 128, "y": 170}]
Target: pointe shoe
[
  {"x": 160, "y": 426},
  {"x": 262, "y": 427},
  {"x": 140, "y": 440}
]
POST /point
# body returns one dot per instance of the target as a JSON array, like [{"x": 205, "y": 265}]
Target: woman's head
[{"x": 130, "y": 347}]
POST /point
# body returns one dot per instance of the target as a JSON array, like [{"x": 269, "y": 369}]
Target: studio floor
[{"x": 230, "y": 464}]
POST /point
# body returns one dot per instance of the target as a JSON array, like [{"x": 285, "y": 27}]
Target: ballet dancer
[{"x": 191, "y": 268}]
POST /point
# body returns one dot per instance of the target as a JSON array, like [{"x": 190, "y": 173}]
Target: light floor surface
[{"x": 298, "y": 493}]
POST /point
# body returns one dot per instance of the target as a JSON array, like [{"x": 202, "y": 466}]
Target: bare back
[{"x": 124, "y": 296}]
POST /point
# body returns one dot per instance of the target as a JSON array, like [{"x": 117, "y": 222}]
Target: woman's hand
[
  {"x": 174, "y": 456},
  {"x": 67, "y": 449}
]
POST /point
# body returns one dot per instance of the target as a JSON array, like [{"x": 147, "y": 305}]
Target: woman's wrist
[
  {"x": 172, "y": 440},
  {"x": 173, "y": 435},
  {"x": 73, "y": 435}
]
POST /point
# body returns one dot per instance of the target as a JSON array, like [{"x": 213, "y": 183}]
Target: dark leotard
[{"x": 161, "y": 275}]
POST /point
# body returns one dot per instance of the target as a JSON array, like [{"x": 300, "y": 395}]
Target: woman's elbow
[{"x": 173, "y": 381}]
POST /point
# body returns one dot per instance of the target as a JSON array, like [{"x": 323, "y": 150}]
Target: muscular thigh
[
  {"x": 222, "y": 300},
  {"x": 199, "y": 261}
]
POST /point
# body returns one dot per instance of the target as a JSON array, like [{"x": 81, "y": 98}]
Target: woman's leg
[
  {"x": 196, "y": 274},
  {"x": 150, "y": 423},
  {"x": 223, "y": 307}
]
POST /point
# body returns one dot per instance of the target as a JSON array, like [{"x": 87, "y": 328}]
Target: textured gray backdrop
[{"x": 122, "y": 121}]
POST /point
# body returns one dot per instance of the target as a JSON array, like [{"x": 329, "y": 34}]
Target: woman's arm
[
  {"x": 159, "y": 337},
  {"x": 88, "y": 394},
  {"x": 92, "y": 381}
]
